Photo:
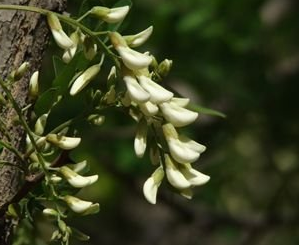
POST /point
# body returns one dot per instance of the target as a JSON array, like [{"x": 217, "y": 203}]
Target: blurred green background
[{"x": 238, "y": 57}]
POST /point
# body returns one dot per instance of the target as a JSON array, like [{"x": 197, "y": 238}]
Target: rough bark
[{"x": 23, "y": 37}]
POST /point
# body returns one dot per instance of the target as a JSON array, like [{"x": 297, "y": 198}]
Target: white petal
[
  {"x": 140, "y": 138},
  {"x": 116, "y": 14},
  {"x": 66, "y": 143},
  {"x": 187, "y": 193},
  {"x": 136, "y": 92},
  {"x": 157, "y": 92},
  {"x": 194, "y": 177},
  {"x": 174, "y": 176},
  {"x": 191, "y": 144},
  {"x": 83, "y": 80},
  {"x": 62, "y": 40},
  {"x": 133, "y": 59},
  {"x": 148, "y": 108},
  {"x": 181, "y": 153},
  {"x": 76, "y": 204},
  {"x": 177, "y": 115},
  {"x": 151, "y": 185},
  {"x": 139, "y": 38},
  {"x": 182, "y": 102}
]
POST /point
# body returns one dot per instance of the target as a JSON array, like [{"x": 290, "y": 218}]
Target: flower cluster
[
  {"x": 154, "y": 106},
  {"x": 154, "y": 101}
]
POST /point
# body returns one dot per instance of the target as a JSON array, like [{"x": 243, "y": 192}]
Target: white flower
[
  {"x": 79, "y": 167},
  {"x": 69, "y": 54},
  {"x": 139, "y": 38},
  {"x": 136, "y": 92},
  {"x": 63, "y": 142},
  {"x": 62, "y": 40},
  {"x": 151, "y": 185},
  {"x": 181, "y": 148},
  {"x": 177, "y": 115},
  {"x": 83, "y": 80},
  {"x": 140, "y": 138},
  {"x": 194, "y": 177},
  {"x": 50, "y": 212},
  {"x": 131, "y": 58},
  {"x": 112, "y": 15},
  {"x": 158, "y": 93},
  {"x": 33, "y": 85},
  {"x": 80, "y": 206},
  {"x": 182, "y": 102},
  {"x": 174, "y": 175},
  {"x": 77, "y": 180}
]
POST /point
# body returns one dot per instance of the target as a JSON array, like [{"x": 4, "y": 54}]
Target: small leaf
[
  {"x": 206, "y": 111},
  {"x": 58, "y": 65}
]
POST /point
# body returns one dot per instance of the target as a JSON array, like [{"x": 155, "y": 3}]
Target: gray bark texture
[{"x": 23, "y": 37}]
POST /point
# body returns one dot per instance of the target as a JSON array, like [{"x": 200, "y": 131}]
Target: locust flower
[
  {"x": 69, "y": 53},
  {"x": 177, "y": 115},
  {"x": 131, "y": 58},
  {"x": 158, "y": 94},
  {"x": 63, "y": 142},
  {"x": 194, "y": 177},
  {"x": 33, "y": 85},
  {"x": 135, "y": 91},
  {"x": 151, "y": 185},
  {"x": 140, "y": 139},
  {"x": 174, "y": 175},
  {"x": 77, "y": 180},
  {"x": 83, "y": 80},
  {"x": 79, "y": 206},
  {"x": 139, "y": 38},
  {"x": 62, "y": 40},
  {"x": 110, "y": 15},
  {"x": 40, "y": 124},
  {"x": 181, "y": 148}
]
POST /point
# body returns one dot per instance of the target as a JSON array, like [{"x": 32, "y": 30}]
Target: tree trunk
[{"x": 23, "y": 37}]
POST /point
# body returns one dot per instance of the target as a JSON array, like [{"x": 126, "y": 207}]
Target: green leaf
[
  {"x": 206, "y": 111},
  {"x": 58, "y": 65},
  {"x": 45, "y": 101}
]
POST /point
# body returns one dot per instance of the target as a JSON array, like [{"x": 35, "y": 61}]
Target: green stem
[
  {"x": 83, "y": 16},
  {"x": 66, "y": 19}
]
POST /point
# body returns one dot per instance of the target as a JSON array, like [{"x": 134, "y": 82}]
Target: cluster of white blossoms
[
  {"x": 156, "y": 104},
  {"x": 153, "y": 100}
]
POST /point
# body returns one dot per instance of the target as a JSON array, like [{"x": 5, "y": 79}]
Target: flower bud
[
  {"x": 77, "y": 180},
  {"x": 33, "y": 85},
  {"x": 83, "y": 80},
  {"x": 158, "y": 94},
  {"x": 62, "y": 40},
  {"x": 164, "y": 67},
  {"x": 178, "y": 116},
  {"x": 174, "y": 176},
  {"x": 55, "y": 179},
  {"x": 136, "y": 92},
  {"x": 63, "y": 142},
  {"x": 50, "y": 212},
  {"x": 151, "y": 185},
  {"x": 79, "y": 206},
  {"x": 40, "y": 124},
  {"x": 139, "y": 38},
  {"x": 140, "y": 139},
  {"x": 19, "y": 73},
  {"x": 90, "y": 48},
  {"x": 96, "y": 119},
  {"x": 112, "y": 15}
]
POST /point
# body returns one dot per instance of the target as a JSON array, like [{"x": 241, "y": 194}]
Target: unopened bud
[
  {"x": 63, "y": 142},
  {"x": 112, "y": 15},
  {"x": 19, "y": 73},
  {"x": 164, "y": 67}
]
